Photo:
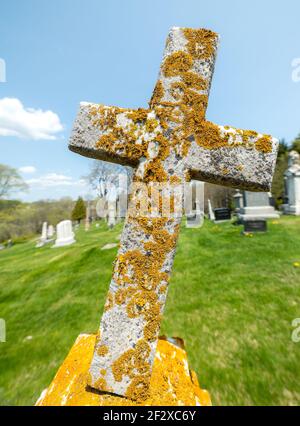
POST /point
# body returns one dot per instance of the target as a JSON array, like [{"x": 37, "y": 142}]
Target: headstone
[
  {"x": 112, "y": 197},
  {"x": 211, "y": 214},
  {"x": 256, "y": 205},
  {"x": 222, "y": 214},
  {"x": 64, "y": 234},
  {"x": 43, "y": 238},
  {"x": 292, "y": 185},
  {"x": 101, "y": 207},
  {"x": 166, "y": 143},
  {"x": 194, "y": 204},
  {"x": 50, "y": 232},
  {"x": 238, "y": 201},
  {"x": 255, "y": 225},
  {"x": 87, "y": 219},
  {"x": 109, "y": 246}
]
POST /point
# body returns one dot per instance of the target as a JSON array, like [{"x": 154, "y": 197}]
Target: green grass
[{"x": 232, "y": 299}]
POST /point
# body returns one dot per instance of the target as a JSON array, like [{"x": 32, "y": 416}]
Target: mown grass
[{"x": 232, "y": 299}]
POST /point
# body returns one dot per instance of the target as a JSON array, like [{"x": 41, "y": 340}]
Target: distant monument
[
  {"x": 112, "y": 197},
  {"x": 292, "y": 185},
  {"x": 50, "y": 231},
  {"x": 238, "y": 201},
  {"x": 256, "y": 205},
  {"x": 43, "y": 238},
  {"x": 211, "y": 214},
  {"x": 87, "y": 218},
  {"x": 194, "y": 204},
  {"x": 64, "y": 234}
]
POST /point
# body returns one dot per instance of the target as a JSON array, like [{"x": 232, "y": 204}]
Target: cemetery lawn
[{"x": 232, "y": 299}]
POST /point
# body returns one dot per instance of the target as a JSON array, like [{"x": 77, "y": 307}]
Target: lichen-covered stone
[
  {"x": 172, "y": 383},
  {"x": 171, "y": 142}
]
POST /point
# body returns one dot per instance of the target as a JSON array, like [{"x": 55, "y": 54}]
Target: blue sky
[{"x": 61, "y": 52}]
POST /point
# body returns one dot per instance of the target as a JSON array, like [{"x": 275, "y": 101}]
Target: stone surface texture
[
  {"x": 170, "y": 143},
  {"x": 172, "y": 383}
]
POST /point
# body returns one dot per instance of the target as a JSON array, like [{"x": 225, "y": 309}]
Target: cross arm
[
  {"x": 110, "y": 133},
  {"x": 232, "y": 157}
]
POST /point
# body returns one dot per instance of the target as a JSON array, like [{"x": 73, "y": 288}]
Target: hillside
[{"x": 232, "y": 299}]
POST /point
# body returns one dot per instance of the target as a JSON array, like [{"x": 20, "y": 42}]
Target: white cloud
[
  {"x": 27, "y": 169},
  {"x": 51, "y": 180},
  {"x": 29, "y": 123}
]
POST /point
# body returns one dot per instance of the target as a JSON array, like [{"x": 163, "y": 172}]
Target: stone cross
[{"x": 170, "y": 143}]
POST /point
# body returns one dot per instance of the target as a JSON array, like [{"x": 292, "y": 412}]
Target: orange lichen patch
[
  {"x": 194, "y": 81},
  {"x": 154, "y": 172},
  {"x": 151, "y": 125},
  {"x": 201, "y": 43},
  {"x": 102, "y": 350},
  {"x": 225, "y": 171},
  {"x": 166, "y": 115},
  {"x": 109, "y": 301},
  {"x": 195, "y": 101},
  {"x": 171, "y": 382},
  {"x": 264, "y": 144},
  {"x": 177, "y": 90},
  {"x": 106, "y": 141},
  {"x": 157, "y": 95},
  {"x": 138, "y": 115},
  {"x": 177, "y": 63},
  {"x": 209, "y": 136},
  {"x": 174, "y": 180},
  {"x": 101, "y": 383}
]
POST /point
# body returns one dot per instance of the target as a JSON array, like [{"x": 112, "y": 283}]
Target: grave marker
[
  {"x": 170, "y": 143},
  {"x": 64, "y": 234}
]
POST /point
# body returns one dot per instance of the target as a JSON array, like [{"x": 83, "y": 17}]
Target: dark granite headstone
[
  {"x": 259, "y": 225},
  {"x": 222, "y": 213}
]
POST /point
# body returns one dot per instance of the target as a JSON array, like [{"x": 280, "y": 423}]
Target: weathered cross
[{"x": 171, "y": 142}]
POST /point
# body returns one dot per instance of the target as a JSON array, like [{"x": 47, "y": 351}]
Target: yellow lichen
[
  {"x": 201, "y": 43},
  {"x": 177, "y": 63},
  {"x": 157, "y": 95},
  {"x": 102, "y": 350},
  {"x": 264, "y": 144}
]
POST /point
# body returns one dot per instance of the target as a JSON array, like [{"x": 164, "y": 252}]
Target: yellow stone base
[{"x": 172, "y": 383}]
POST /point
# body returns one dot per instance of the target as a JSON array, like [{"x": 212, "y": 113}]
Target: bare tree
[
  {"x": 10, "y": 181},
  {"x": 103, "y": 176}
]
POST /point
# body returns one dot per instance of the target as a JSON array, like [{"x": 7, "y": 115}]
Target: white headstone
[
  {"x": 112, "y": 207},
  {"x": 43, "y": 237},
  {"x": 194, "y": 204},
  {"x": 211, "y": 214},
  {"x": 292, "y": 184},
  {"x": 64, "y": 234},
  {"x": 50, "y": 231}
]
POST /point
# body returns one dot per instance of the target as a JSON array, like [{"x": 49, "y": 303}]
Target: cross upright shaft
[{"x": 171, "y": 142}]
